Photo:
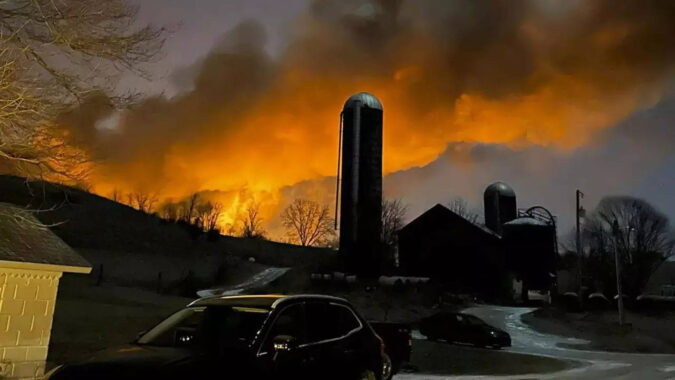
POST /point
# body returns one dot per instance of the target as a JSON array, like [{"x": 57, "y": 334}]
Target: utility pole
[
  {"x": 619, "y": 301},
  {"x": 580, "y": 252}
]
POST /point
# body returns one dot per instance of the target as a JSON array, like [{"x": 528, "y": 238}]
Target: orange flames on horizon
[
  {"x": 293, "y": 139},
  {"x": 257, "y": 139}
]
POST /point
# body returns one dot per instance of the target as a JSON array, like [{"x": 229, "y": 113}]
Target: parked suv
[
  {"x": 247, "y": 337},
  {"x": 463, "y": 328}
]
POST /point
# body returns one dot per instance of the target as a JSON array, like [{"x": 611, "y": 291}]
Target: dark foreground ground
[
  {"x": 645, "y": 332},
  {"x": 589, "y": 364},
  {"x": 440, "y": 358}
]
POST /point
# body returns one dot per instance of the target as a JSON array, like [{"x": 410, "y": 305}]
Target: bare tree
[
  {"x": 307, "y": 222},
  {"x": 251, "y": 222},
  {"x": 186, "y": 212},
  {"x": 643, "y": 240},
  {"x": 208, "y": 215},
  {"x": 461, "y": 207},
  {"x": 169, "y": 211},
  {"x": 116, "y": 195},
  {"x": 393, "y": 215},
  {"x": 144, "y": 201},
  {"x": 56, "y": 54},
  {"x": 213, "y": 218}
]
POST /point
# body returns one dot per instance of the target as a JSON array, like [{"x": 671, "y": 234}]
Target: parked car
[
  {"x": 247, "y": 337},
  {"x": 463, "y": 328},
  {"x": 397, "y": 339}
]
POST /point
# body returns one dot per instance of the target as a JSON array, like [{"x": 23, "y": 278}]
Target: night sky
[{"x": 629, "y": 152}]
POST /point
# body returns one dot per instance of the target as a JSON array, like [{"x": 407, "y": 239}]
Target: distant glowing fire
[{"x": 253, "y": 126}]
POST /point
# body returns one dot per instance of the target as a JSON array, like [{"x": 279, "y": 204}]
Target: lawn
[
  {"x": 644, "y": 333},
  {"x": 89, "y": 318}
]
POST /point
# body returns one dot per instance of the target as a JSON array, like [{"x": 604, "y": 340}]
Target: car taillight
[{"x": 409, "y": 338}]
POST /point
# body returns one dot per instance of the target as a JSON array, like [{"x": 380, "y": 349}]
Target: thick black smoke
[{"x": 523, "y": 73}]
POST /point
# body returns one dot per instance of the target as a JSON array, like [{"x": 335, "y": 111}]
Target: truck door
[
  {"x": 332, "y": 336},
  {"x": 290, "y": 362}
]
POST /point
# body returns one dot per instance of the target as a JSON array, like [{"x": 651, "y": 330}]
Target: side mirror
[{"x": 284, "y": 343}]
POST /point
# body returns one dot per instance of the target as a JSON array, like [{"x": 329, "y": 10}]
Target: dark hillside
[{"x": 139, "y": 249}]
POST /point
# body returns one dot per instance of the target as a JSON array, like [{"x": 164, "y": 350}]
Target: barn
[
  {"x": 662, "y": 282},
  {"x": 463, "y": 256}
]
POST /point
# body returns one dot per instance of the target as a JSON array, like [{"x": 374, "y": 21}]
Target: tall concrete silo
[
  {"x": 361, "y": 184},
  {"x": 500, "y": 206}
]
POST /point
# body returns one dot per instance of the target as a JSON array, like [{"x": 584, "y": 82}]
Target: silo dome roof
[
  {"x": 500, "y": 188},
  {"x": 368, "y": 100}
]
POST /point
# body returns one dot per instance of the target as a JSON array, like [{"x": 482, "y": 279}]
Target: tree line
[
  {"x": 625, "y": 227},
  {"x": 629, "y": 227},
  {"x": 306, "y": 222}
]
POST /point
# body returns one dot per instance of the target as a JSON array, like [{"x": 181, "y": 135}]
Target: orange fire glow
[{"x": 282, "y": 130}]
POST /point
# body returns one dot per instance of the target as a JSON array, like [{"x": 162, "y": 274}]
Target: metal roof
[
  {"x": 365, "y": 99},
  {"x": 526, "y": 221},
  {"x": 23, "y": 239},
  {"x": 501, "y": 188}
]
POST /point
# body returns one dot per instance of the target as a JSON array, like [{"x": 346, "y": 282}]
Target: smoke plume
[{"x": 551, "y": 75}]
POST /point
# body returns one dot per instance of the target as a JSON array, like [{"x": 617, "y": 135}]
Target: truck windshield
[{"x": 207, "y": 327}]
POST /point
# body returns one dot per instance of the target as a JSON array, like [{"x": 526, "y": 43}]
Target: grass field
[
  {"x": 645, "y": 333},
  {"x": 88, "y": 319}
]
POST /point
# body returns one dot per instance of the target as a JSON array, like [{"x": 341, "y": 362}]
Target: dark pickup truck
[
  {"x": 249, "y": 337},
  {"x": 397, "y": 339}
]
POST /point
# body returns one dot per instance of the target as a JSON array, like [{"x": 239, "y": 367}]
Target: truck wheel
[
  {"x": 387, "y": 368},
  {"x": 367, "y": 375}
]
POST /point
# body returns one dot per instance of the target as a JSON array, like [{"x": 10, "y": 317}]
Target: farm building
[
  {"x": 462, "y": 255},
  {"x": 662, "y": 281},
  {"x": 32, "y": 260}
]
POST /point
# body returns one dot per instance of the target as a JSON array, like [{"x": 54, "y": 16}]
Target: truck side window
[
  {"x": 319, "y": 324},
  {"x": 345, "y": 320},
  {"x": 329, "y": 321},
  {"x": 291, "y": 322}
]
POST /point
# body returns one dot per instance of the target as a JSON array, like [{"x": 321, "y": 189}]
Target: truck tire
[
  {"x": 387, "y": 368},
  {"x": 367, "y": 375}
]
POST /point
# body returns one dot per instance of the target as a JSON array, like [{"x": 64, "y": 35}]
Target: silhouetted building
[
  {"x": 500, "y": 206},
  {"x": 530, "y": 247},
  {"x": 32, "y": 261},
  {"x": 361, "y": 187},
  {"x": 662, "y": 282},
  {"x": 454, "y": 251}
]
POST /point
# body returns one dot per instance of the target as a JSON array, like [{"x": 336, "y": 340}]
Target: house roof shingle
[{"x": 23, "y": 239}]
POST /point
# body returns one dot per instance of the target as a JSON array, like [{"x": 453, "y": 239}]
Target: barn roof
[
  {"x": 664, "y": 275},
  {"x": 27, "y": 243},
  {"x": 440, "y": 211}
]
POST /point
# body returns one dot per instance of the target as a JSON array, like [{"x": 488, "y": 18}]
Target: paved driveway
[{"x": 593, "y": 364}]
